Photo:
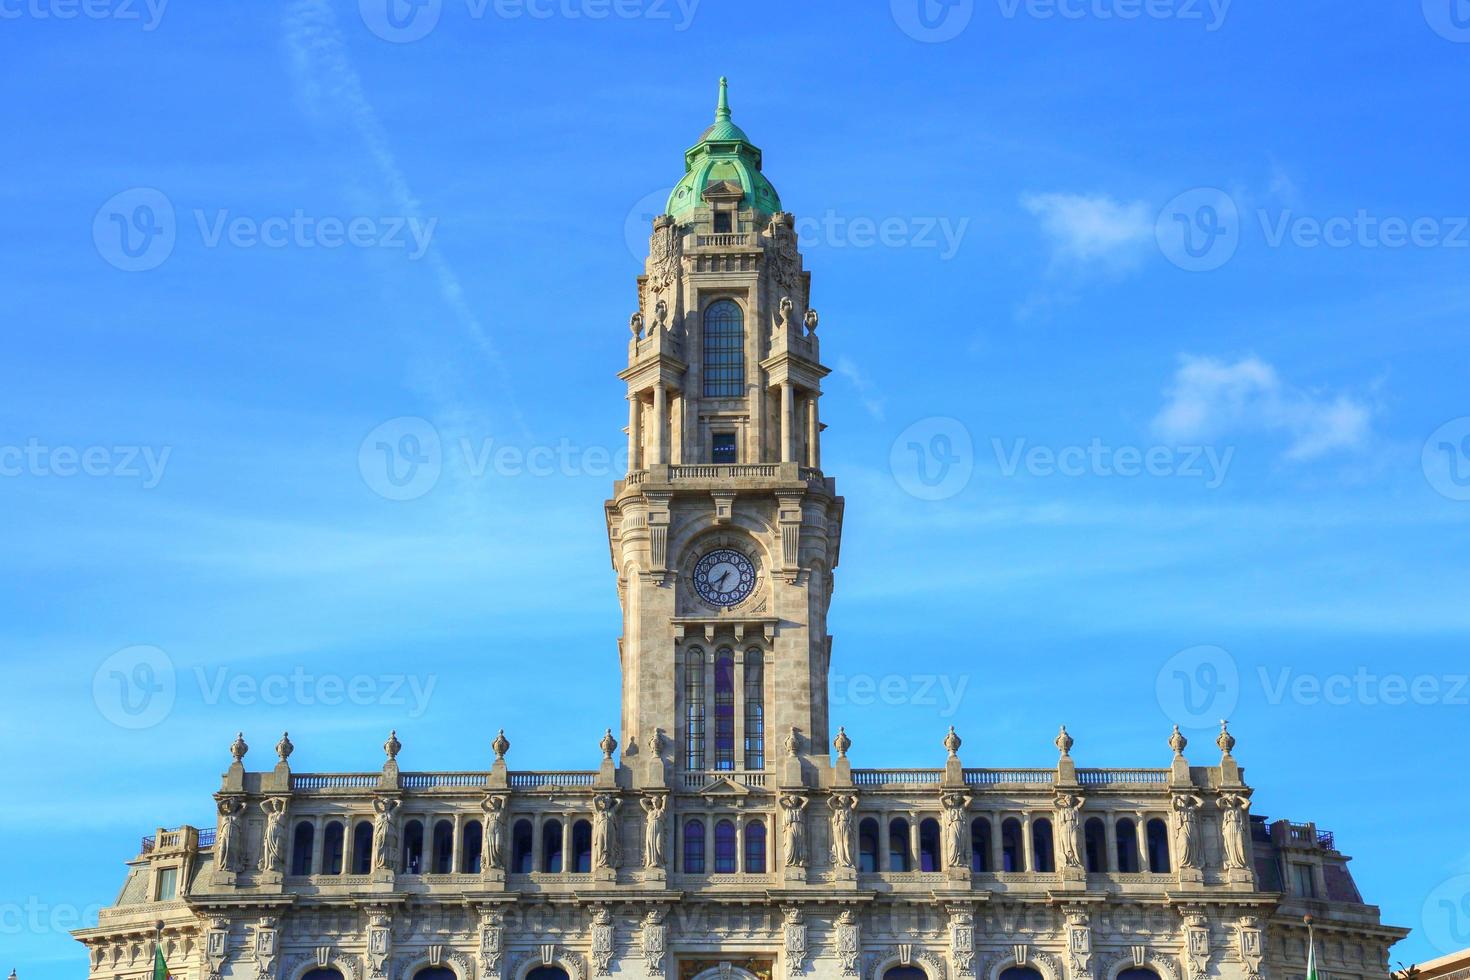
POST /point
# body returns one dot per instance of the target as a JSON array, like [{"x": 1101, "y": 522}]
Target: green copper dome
[{"x": 723, "y": 155}]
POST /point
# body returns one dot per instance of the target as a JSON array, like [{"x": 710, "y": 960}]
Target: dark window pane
[
  {"x": 722, "y": 448},
  {"x": 724, "y": 350}
]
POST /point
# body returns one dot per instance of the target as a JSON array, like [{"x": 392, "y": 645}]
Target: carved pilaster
[
  {"x": 265, "y": 946},
  {"x": 794, "y": 934},
  {"x": 1079, "y": 942},
  {"x": 1196, "y": 942},
  {"x": 962, "y": 940},
  {"x": 602, "y": 941},
  {"x": 1250, "y": 945},
  {"x": 379, "y": 943},
  {"x": 788, "y": 514},
  {"x": 492, "y": 943},
  {"x": 653, "y": 937},
  {"x": 849, "y": 943}
]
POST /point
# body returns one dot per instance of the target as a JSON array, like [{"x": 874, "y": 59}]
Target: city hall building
[{"x": 727, "y": 833}]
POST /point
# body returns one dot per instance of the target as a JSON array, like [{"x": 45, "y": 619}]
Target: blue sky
[{"x": 1148, "y": 328}]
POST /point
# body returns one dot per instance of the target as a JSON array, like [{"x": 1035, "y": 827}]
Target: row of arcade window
[
  {"x": 893, "y": 973},
  {"x": 698, "y": 678},
  {"x": 895, "y": 853},
  {"x": 875, "y": 853},
  {"x": 697, "y": 858}
]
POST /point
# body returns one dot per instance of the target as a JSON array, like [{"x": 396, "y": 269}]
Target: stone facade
[{"x": 731, "y": 837}]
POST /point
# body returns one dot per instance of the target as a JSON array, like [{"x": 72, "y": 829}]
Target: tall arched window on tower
[
  {"x": 694, "y": 847},
  {"x": 725, "y": 709},
  {"x": 755, "y": 710},
  {"x": 755, "y": 848},
  {"x": 1095, "y": 837},
  {"x": 724, "y": 350},
  {"x": 868, "y": 845},
  {"x": 980, "y": 844},
  {"x": 694, "y": 709},
  {"x": 1127, "y": 837}
]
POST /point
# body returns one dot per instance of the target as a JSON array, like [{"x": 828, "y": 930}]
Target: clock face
[{"x": 724, "y": 577}]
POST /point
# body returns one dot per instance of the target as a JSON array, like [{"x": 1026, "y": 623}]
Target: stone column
[
  {"x": 635, "y": 431},
  {"x": 997, "y": 848},
  {"x": 318, "y": 845},
  {"x": 813, "y": 434},
  {"x": 788, "y": 396},
  {"x": 1027, "y": 850},
  {"x": 660, "y": 423},
  {"x": 1110, "y": 831},
  {"x": 1140, "y": 837}
]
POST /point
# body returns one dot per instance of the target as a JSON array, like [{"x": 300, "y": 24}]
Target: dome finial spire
[{"x": 722, "y": 111}]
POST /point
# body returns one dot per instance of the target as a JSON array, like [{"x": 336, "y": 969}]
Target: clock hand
[{"x": 725, "y": 578}]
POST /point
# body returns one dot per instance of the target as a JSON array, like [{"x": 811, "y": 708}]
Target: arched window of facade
[
  {"x": 523, "y": 856},
  {"x": 413, "y": 847},
  {"x": 1021, "y": 973},
  {"x": 472, "y": 844},
  {"x": 1041, "y": 846},
  {"x": 551, "y": 846},
  {"x": 323, "y": 973},
  {"x": 443, "y": 862},
  {"x": 1158, "y": 846},
  {"x": 726, "y": 852},
  {"x": 868, "y": 846},
  {"x": 301, "y": 844},
  {"x": 1127, "y": 835},
  {"x": 929, "y": 844},
  {"x": 725, "y": 709},
  {"x": 1095, "y": 844},
  {"x": 980, "y": 844},
  {"x": 898, "y": 845},
  {"x": 362, "y": 848},
  {"x": 435, "y": 973},
  {"x": 334, "y": 844},
  {"x": 724, "y": 350},
  {"x": 1138, "y": 973},
  {"x": 582, "y": 847},
  {"x": 547, "y": 973},
  {"x": 694, "y": 708},
  {"x": 904, "y": 973},
  {"x": 694, "y": 847},
  {"x": 755, "y": 848},
  {"x": 1012, "y": 851},
  {"x": 755, "y": 709}
]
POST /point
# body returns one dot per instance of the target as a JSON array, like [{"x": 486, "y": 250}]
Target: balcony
[{"x": 727, "y": 240}]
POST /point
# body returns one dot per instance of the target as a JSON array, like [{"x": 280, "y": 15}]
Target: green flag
[
  {"x": 1311, "y": 955},
  {"x": 160, "y": 966}
]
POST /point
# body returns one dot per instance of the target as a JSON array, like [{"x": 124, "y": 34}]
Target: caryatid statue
[
  {"x": 227, "y": 842},
  {"x": 273, "y": 853},
  {"x": 842, "y": 806},
  {"x": 956, "y": 830},
  {"x": 606, "y": 848},
  {"x": 492, "y": 856},
  {"x": 1186, "y": 841},
  {"x": 385, "y": 833},
  {"x": 1067, "y": 810},
  {"x": 794, "y": 808},
  {"x": 656, "y": 806},
  {"x": 1233, "y": 819}
]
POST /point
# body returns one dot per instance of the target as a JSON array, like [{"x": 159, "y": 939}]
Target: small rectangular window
[
  {"x": 1303, "y": 881},
  {"x": 722, "y": 447},
  {"x": 723, "y": 224},
  {"x": 168, "y": 884}
]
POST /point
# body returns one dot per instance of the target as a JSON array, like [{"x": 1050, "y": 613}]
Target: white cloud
[
  {"x": 1093, "y": 229},
  {"x": 871, "y": 401},
  {"x": 1209, "y": 398}
]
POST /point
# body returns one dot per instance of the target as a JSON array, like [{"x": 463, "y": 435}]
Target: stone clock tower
[{"x": 725, "y": 533}]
